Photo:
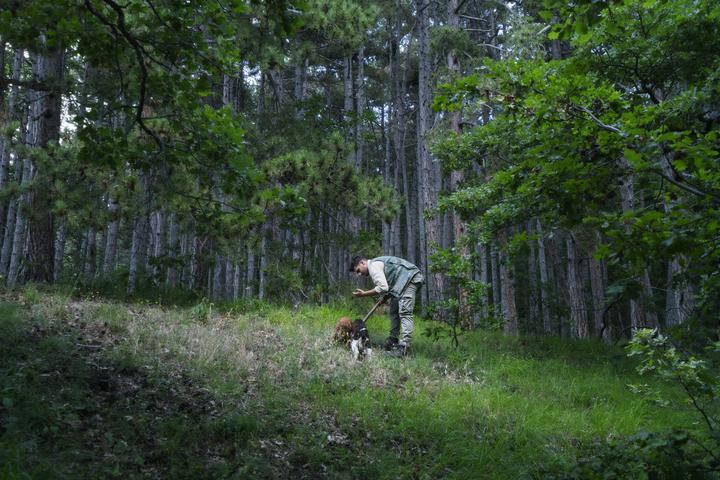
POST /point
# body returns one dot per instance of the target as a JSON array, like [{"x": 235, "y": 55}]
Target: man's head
[{"x": 359, "y": 265}]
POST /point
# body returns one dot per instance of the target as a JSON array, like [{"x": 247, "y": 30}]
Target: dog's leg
[{"x": 355, "y": 347}]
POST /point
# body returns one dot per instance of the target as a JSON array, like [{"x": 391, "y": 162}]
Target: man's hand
[{"x": 359, "y": 292}]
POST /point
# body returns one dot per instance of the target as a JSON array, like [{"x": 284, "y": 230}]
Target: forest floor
[{"x": 97, "y": 389}]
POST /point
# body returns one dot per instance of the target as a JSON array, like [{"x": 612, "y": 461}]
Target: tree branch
[
  {"x": 604, "y": 126},
  {"x": 120, "y": 29}
]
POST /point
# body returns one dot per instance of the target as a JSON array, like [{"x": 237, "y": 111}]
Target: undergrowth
[{"x": 96, "y": 389}]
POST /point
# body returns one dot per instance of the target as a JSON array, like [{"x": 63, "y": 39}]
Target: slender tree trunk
[
  {"x": 597, "y": 286},
  {"x": 457, "y": 176},
  {"x": 12, "y": 113},
  {"x": 484, "y": 278},
  {"x": 299, "y": 90},
  {"x": 428, "y": 181},
  {"x": 158, "y": 243},
  {"x": 359, "y": 109},
  {"x": 251, "y": 274},
  {"x": 91, "y": 255},
  {"x": 59, "y": 251},
  {"x": 111, "y": 239},
  {"x": 218, "y": 277},
  {"x": 398, "y": 133},
  {"x": 532, "y": 297},
  {"x": 229, "y": 279},
  {"x": 495, "y": 275},
  {"x": 638, "y": 311},
  {"x": 679, "y": 301},
  {"x": 544, "y": 281},
  {"x": 9, "y": 235},
  {"x": 578, "y": 310},
  {"x": 20, "y": 230},
  {"x": 263, "y": 263},
  {"x": 237, "y": 285},
  {"x": 509, "y": 309},
  {"x": 559, "y": 273},
  {"x": 138, "y": 247},
  {"x": 137, "y": 251},
  {"x": 172, "y": 249}
]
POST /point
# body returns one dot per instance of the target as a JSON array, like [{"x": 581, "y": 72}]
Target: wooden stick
[{"x": 379, "y": 302}]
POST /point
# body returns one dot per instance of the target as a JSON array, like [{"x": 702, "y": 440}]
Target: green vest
[{"x": 398, "y": 273}]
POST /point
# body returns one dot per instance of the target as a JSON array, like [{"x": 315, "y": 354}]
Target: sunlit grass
[{"x": 297, "y": 402}]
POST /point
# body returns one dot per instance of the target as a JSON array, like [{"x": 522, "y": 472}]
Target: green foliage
[
  {"x": 676, "y": 453},
  {"x": 663, "y": 455},
  {"x": 631, "y": 103},
  {"x": 698, "y": 376}
]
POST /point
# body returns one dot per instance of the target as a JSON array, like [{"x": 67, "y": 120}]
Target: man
[{"x": 399, "y": 279}]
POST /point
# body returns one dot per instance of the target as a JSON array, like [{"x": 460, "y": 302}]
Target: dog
[
  {"x": 355, "y": 334},
  {"x": 343, "y": 330},
  {"x": 359, "y": 340}
]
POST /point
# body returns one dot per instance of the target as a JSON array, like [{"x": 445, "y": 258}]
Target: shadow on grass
[{"x": 67, "y": 410}]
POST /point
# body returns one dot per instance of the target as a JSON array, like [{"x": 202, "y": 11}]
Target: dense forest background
[{"x": 553, "y": 167}]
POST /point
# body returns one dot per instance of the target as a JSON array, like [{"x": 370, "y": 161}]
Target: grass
[{"x": 95, "y": 389}]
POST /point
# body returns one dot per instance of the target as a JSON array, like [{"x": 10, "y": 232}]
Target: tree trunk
[
  {"x": 509, "y": 309},
  {"x": 251, "y": 274},
  {"x": 639, "y": 315},
  {"x": 398, "y": 140},
  {"x": 12, "y": 113},
  {"x": 43, "y": 127},
  {"x": 90, "y": 255},
  {"x": 111, "y": 238},
  {"x": 544, "y": 281},
  {"x": 218, "y": 277},
  {"x": 532, "y": 295},
  {"x": 172, "y": 249},
  {"x": 137, "y": 251},
  {"x": 428, "y": 176},
  {"x": 299, "y": 90},
  {"x": 237, "y": 285},
  {"x": 597, "y": 286},
  {"x": 495, "y": 275},
  {"x": 578, "y": 310},
  {"x": 263, "y": 263},
  {"x": 484, "y": 280},
  {"x": 20, "y": 230},
  {"x": 59, "y": 251}
]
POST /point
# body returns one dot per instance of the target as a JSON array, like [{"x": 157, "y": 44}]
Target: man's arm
[{"x": 376, "y": 270}]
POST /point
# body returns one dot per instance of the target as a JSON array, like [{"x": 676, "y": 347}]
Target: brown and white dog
[{"x": 355, "y": 334}]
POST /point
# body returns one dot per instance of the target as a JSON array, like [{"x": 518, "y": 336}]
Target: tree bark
[
  {"x": 111, "y": 238},
  {"x": 20, "y": 229},
  {"x": 509, "y": 308},
  {"x": 172, "y": 249},
  {"x": 59, "y": 251},
  {"x": 428, "y": 176},
  {"x": 544, "y": 281},
  {"x": 597, "y": 286},
  {"x": 43, "y": 128},
  {"x": 90, "y": 255},
  {"x": 533, "y": 298},
  {"x": 578, "y": 310},
  {"x": 495, "y": 275}
]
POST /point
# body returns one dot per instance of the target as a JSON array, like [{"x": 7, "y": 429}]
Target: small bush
[{"x": 669, "y": 455}]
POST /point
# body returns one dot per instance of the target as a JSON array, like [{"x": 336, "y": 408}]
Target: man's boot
[
  {"x": 399, "y": 351},
  {"x": 391, "y": 343}
]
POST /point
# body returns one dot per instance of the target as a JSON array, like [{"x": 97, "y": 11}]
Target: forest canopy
[{"x": 552, "y": 166}]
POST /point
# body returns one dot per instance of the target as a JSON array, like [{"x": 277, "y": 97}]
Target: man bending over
[{"x": 400, "y": 279}]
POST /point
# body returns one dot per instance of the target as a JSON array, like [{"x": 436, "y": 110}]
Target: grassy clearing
[{"x": 93, "y": 389}]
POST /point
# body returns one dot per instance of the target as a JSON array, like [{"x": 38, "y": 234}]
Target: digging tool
[{"x": 379, "y": 302}]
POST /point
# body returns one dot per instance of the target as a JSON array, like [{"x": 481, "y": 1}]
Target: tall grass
[{"x": 254, "y": 391}]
